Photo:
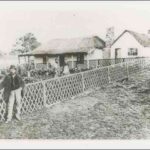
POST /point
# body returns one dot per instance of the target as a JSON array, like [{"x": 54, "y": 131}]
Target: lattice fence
[
  {"x": 105, "y": 62},
  {"x": 95, "y": 78},
  {"x": 136, "y": 66},
  {"x": 33, "y": 97},
  {"x": 44, "y": 93},
  {"x": 2, "y": 107},
  {"x": 117, "y": 72},
  {"x": 63, "y": 88}
]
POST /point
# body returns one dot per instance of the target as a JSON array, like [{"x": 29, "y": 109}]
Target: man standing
[
  {"x": 66, "y": 70},
  {"x": 57, "y": 68},
  {"x": 13, "y": 86}
]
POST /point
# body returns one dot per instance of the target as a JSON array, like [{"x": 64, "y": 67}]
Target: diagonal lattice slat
[
  {"x": 43, "y": 93},
  {"x": 95, "y": 78},
  {"x": 118, "y": 72},
  {"x": 63, "y": 88},
  {"x": 33, "y": 98},
  {"x": 2, "y": 107},
  {"x": 134, "y": 67}
]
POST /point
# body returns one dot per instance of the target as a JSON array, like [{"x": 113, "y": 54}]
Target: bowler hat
[{"x": 12, "y": 67}]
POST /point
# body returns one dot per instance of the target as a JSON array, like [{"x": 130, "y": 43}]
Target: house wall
[
  {"x": 38, "y": 59},
  {"x": 146, "y": 52},
  {"x": 95, "y": 54},
  {"x": 71, "y": 57},
  {"x": 106, "y": 53},
  {"x": 125, "y": 42}
]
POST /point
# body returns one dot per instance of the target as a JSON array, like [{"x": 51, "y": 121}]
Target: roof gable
[
  {"x": 74, "y": 45},
  {"x": 142, "y": 39}
]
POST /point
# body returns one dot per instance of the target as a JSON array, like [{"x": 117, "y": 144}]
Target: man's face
[
  {"x": 56, "y": 60},
  {"x": 13, "y": 71}
]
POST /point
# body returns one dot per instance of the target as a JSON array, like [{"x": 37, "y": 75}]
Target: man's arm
[
  {"x": 2, "y": 84},
  {"x": 22, "y": 83}
]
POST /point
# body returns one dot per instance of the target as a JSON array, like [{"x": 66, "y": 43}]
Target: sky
[{"x": 49, "y": 20}]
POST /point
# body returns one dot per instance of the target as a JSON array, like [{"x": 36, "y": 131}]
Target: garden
[{"x": 116, "y": 111}]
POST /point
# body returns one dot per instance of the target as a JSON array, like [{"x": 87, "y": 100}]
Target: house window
[
  {"x": 132, "y": 52},
  {"x": 80, "y": 58}
]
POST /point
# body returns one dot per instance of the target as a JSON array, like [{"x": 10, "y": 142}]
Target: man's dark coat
[{"x": 7, "y": 85}]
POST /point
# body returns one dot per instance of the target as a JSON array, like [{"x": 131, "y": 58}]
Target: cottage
[
  {"x": 74, "y": 51},
  {"x": 131, "y": 44}
]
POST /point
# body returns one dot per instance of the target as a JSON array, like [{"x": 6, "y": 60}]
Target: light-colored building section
[
  {"x": 131, "y": 44},
  {"x": 74, "y": 51}
]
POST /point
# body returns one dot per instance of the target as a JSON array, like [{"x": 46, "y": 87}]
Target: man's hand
[{"x": 22, "y": 93}]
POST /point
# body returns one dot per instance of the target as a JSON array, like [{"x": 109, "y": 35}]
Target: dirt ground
[{"x": 117, "y": 111}]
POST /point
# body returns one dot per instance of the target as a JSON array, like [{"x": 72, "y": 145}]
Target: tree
[
  {"x": 25, "y": 44},
  {"x": 109, "y": 37}
]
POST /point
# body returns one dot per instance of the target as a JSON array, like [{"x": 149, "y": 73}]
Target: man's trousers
[{"x": 15, "y": 97}]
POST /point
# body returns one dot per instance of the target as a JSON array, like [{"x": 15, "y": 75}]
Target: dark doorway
[
  {"x": 117, "y": 55},
  {"x": 44, "y": 60},
  {"x": 117, "y": 50},
  {"x": 80, "y": 58},
  {"x": 61, "y": 60}
]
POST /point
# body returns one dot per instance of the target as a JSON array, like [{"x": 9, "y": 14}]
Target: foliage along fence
[
  {"x": 92, "y": 63},
  {"x": 46, "y": 71},
  {"x": 45, "y": 93}
]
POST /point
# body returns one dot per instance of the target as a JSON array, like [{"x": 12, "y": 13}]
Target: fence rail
[
  {"x": 90, "y": 63},
  {"x": 45, "y": 93},
  {"x": 46, "y": 71}
]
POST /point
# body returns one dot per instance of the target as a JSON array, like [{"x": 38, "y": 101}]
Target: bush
[
  {"x": 42, "y": 73},
  {"x": 30, "y": 80}
]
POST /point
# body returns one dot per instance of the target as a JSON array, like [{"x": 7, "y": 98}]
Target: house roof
[
  {"x": 143, "y": 39},
  {"x": 74, "y": 45}
]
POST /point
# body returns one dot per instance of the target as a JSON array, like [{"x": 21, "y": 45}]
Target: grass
[{"x": 116, "y": 111}]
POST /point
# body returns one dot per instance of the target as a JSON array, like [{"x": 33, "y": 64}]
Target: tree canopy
[{"x": 25, "y": 44}]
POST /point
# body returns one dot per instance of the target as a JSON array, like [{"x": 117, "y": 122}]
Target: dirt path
[{"x": 117, "y": 111}]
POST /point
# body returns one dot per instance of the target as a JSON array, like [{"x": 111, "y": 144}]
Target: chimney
[
  {"x": 109, "y": 36},
  {"x": 148, "y": 33}
]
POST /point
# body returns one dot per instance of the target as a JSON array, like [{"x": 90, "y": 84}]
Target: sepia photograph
[{"x": 75, "y": 70}]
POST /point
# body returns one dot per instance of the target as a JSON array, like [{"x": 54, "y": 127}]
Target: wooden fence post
[
  {"x": 72, "y": 64},
  {"x": 44, "y": 93},
  {"x": 35, "y": 65},
  {"x": 124, "y": 60},
  {"x": 127, "y": 69},
  {"x": 97, "y": 63},
  {"x": 83, "y": 84},
  {"x": 109, "y": 79},
  {"x": 47, "y": 65},
  {"x": 88, "y": 63}
]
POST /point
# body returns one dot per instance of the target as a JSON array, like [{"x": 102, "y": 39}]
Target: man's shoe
[
  {"x": 18, "y": 118},
  {"x": 7, "y": 121}
]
